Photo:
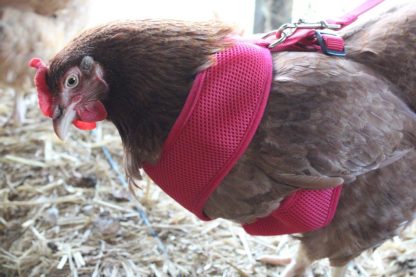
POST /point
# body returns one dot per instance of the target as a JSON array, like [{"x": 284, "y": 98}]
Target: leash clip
[
  {"x": 284, "y": 32},
  {"x": 323, "y": 24},
  {"x": 288, "y": 29}
]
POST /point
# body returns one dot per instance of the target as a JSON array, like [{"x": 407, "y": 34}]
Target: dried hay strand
[{"x": 65, "y": 211}]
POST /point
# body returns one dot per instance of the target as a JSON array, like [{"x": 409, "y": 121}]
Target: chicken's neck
[
  {"x": 149, "y": 66},
  {"x": 150, "y": 81}
]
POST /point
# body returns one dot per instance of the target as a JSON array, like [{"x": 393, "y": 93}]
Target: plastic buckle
[{"x": 331, "y": 44}]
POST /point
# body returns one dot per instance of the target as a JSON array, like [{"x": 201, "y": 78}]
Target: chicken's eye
[{"x": 71, "y": 81}]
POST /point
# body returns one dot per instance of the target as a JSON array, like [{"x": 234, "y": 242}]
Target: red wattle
[
  {"x": 92, "y": 112},
  {"x": 84, "y": 125}
]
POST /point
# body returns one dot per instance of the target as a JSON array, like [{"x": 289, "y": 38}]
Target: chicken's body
[
  {"x": 33, "y": 27},
  {"x": 326, "y": 118},
  {"x": 322, "y": 97},
  {"x": 338, "y": 104}
]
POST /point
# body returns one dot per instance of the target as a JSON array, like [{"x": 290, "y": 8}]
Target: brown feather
[{"x": 385, "y": 43}]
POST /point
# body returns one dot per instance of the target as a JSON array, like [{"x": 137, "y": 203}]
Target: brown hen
[{"x": 351, "y": 118}]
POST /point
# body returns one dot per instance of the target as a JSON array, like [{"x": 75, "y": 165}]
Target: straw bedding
[{"x": 65, "y": 210}]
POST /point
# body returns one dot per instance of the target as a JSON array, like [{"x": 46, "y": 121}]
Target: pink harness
[{"x": 219, "y": 119}]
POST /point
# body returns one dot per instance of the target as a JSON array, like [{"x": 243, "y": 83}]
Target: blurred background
[
  {"x": 248, "y": 15},
  {"x": 65, "y": 209}
]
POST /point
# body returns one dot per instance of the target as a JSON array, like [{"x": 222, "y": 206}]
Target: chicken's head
[{"x": 77, "y": 98}]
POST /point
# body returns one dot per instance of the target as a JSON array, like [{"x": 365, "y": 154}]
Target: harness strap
[
  {"x": 353, "y": 15},
  {"x": 304, "y": 36}
]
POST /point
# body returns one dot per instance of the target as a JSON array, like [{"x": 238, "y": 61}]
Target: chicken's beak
[{"x": 62, "y": 120}]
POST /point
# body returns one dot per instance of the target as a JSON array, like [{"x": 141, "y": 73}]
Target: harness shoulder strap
[
  {"x": 315, "y": 37},
  {"x": 353, "y": 15}
]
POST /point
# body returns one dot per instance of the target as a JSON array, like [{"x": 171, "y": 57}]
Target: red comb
[
  {"x": 36, "y": 63},
  {"x": 45, "y": 97}
]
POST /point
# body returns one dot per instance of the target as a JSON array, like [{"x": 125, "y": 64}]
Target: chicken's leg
[
  {"x": 299, "y": 266},
  {"x": 339, "y": 271}
]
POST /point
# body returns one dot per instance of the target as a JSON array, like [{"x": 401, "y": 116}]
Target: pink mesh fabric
[
  {"x": 303, "y": 211},
  {"x": 218, "y": 121}
]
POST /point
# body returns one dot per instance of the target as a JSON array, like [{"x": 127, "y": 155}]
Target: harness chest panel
[{"x": 219, "y": 119}]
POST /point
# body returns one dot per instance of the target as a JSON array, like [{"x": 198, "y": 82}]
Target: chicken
[
  {"x": 328, "y": 120},
  {"x": 29, "y": 27}
]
